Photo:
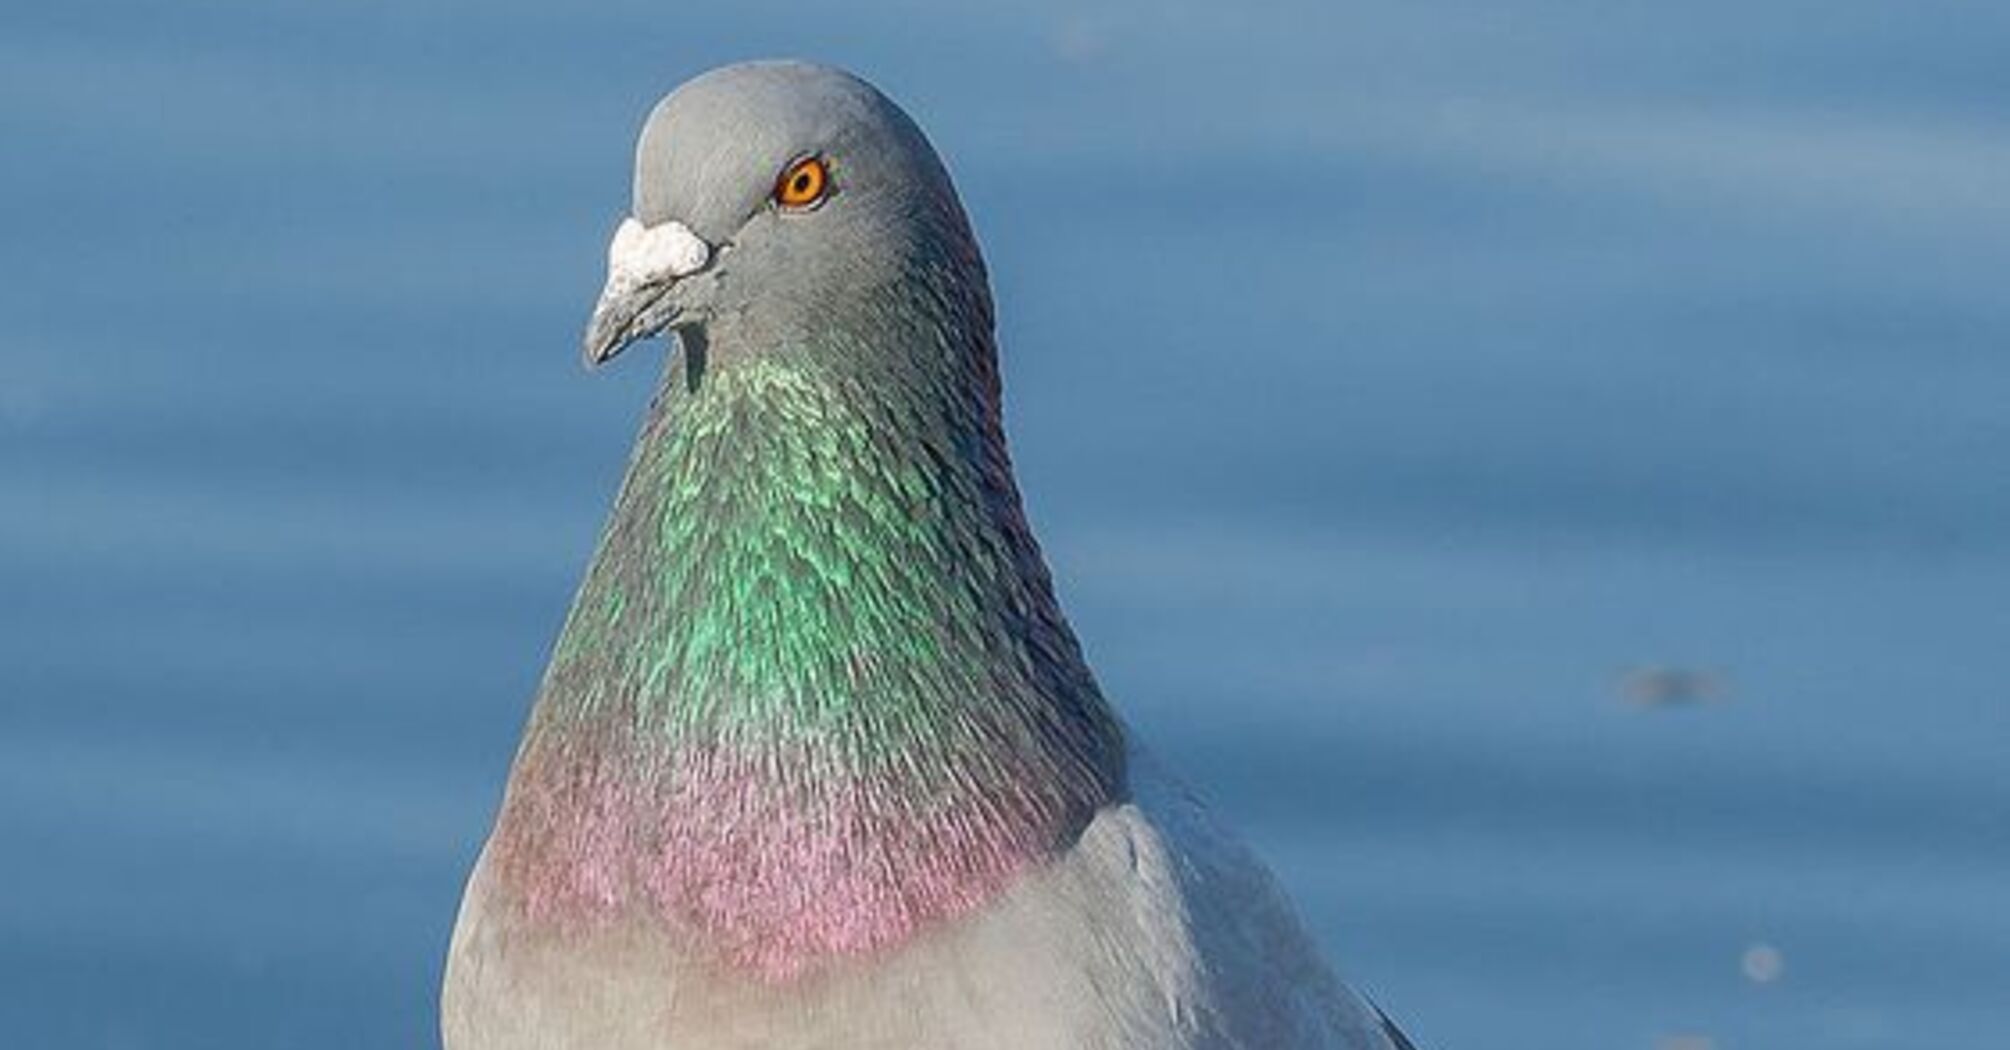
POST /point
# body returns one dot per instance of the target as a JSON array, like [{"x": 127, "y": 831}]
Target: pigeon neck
[{"x": 815, "y": 692}]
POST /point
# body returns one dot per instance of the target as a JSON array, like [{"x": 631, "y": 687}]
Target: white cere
[{"x": 640, "y": 254}]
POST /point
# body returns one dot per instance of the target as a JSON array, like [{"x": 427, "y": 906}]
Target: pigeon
[{"x": 817, "y": 761}]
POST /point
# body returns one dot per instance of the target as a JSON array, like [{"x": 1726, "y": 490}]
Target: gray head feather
[{"x": 708, "y": 159}]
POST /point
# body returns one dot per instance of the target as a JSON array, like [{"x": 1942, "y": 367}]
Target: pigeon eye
[{"x": 803, "y": 184}]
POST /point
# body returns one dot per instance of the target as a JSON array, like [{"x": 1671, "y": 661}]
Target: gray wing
[{"x": 1263, "y": 982}]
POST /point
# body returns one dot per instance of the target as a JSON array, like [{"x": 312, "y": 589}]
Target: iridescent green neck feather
[
  {"x": 808, "y": 551},
  {"x": 815, "y": 691}
]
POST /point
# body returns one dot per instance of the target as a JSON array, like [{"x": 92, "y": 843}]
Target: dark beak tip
[
  {"x": 606, "y": 336},
  {"x": 623, "y": 318}
]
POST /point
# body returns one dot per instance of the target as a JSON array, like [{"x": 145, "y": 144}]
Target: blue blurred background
[{"x": 1539, "y": 468}]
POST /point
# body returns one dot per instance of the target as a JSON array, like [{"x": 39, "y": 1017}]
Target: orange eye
[{"x": 803, "y": 184}]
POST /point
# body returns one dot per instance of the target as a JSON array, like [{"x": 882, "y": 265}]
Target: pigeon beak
[{"x": 644, "y": 264}]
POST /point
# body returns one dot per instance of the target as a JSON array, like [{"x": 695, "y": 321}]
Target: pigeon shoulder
[{"x": 1254, "y": 976}]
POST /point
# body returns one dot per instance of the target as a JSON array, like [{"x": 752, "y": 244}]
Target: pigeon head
[{"x": 768, "y": 197}]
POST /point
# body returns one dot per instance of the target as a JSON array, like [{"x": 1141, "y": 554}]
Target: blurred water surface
[{"x": 1389, "y": 382}]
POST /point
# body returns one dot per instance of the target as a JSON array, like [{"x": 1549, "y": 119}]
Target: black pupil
[{"x": 802, "y": 182}]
